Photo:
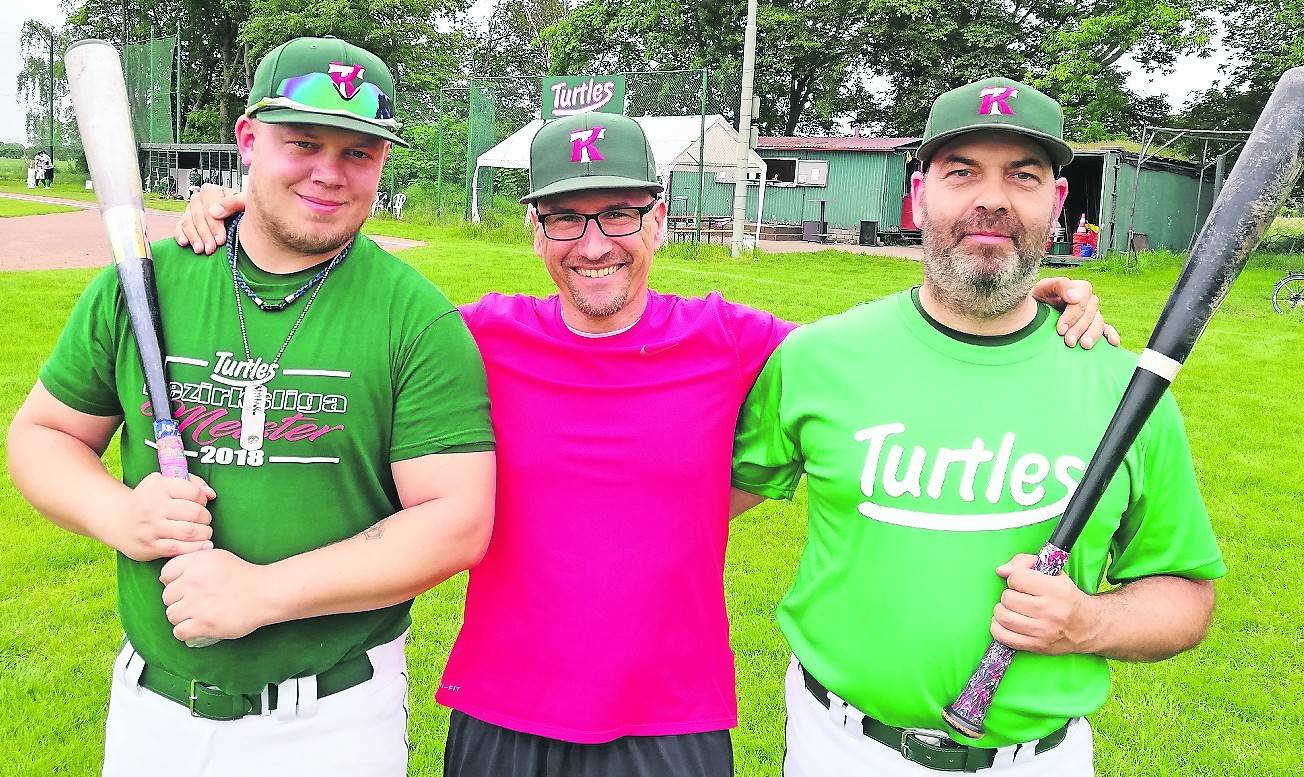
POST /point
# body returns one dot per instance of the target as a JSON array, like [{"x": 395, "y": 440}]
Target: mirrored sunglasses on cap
[{"x": 317, "y": 93}]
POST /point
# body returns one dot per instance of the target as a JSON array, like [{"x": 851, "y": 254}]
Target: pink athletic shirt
[{"x": 598, "y": 611}]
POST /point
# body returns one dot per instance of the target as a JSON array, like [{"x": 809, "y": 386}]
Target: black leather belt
[{"x": 948, "y": 756}]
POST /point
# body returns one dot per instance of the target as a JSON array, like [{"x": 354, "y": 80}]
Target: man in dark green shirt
[{"x": 333, "y": 406}]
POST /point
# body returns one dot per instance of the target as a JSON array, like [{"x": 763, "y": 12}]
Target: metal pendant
[{"x": 253, "y": 414}]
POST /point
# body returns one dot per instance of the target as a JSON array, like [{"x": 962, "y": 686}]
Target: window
[
  {"x": 781, "y": 171},
  {"x": 813, "y": 173}
]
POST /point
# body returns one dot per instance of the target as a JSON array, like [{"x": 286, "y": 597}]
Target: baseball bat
[
  {"x": 1269, "y": 165},
  {"x": 99, "y": 98}
]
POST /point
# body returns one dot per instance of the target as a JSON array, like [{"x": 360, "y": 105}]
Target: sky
[{"x": 1191, "y": 74}]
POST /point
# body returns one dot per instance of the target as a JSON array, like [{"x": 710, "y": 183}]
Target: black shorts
[{"x": 479, "y": 749}]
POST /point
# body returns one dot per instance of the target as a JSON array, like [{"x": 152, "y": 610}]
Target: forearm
[
  {"x": 741, "y": 501},
  {"x": 400, "y": 557},
  {"x": 1151, "y": 619},
  {"x": 65, "y": 480}
]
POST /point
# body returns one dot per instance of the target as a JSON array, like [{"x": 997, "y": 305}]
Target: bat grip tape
[{"x": 1159, "y": 364}]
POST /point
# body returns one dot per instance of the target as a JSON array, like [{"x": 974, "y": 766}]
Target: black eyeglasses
[{"x": 616, "y": 222}]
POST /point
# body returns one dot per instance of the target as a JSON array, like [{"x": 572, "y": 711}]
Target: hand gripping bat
[
  {"x": 1269, "y": 165},
  {"x": 99, "y": 98}
]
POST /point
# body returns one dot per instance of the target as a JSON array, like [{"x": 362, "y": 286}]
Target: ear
[
  {"x": 532, "y": 218},
  {"x": 658, "y": 215},
  {"x": 244, "y": 139},
  {"x": 1061, "y": 192},
  {"x": 917, "y": 193}
]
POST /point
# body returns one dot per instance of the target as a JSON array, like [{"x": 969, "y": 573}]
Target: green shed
[
  {"x": 856, "y": 179},
  {"x": 1163, "y": 204}
]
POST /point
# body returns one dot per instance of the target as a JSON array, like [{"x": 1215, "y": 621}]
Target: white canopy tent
[{"x": 676, "y": 146}]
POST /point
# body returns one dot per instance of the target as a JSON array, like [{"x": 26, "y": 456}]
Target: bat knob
[{"x": 958, "y": 721}]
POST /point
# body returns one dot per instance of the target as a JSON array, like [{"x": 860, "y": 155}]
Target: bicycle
[{"x": 1288, "y": 295}]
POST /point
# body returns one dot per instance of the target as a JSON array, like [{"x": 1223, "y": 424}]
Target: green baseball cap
[
  {"x": 328, "y": 82},
  {"x": 590, "y": 151},
  {"x": 997, "y": 104}
]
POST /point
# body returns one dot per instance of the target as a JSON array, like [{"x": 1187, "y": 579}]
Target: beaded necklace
[{"x": 254, "y": 401}]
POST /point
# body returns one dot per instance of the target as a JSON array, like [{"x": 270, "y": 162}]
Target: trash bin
[
  {"x": 813, "y": 231},
  {"x": 869, "y": 233}
]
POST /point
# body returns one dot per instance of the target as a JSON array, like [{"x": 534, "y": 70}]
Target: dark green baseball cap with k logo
[
  {"x": 327, "y": 82},
  {"x": 997, "y": 104},
  {"x": 590, "y": 151}
]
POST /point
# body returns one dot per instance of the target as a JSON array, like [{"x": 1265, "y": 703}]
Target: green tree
[
  {"x": 215, "y": 73},
  {"x": 809, "y": 52},
  {"x": 1082, "y": 69},
  {"x": 1265, "y": 39},
  {"x": 42, "y": 82},
  {"x": 414, "y": 37}
]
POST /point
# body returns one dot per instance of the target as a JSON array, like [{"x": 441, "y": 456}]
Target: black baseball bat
[{"x": 1268, "y": 167}]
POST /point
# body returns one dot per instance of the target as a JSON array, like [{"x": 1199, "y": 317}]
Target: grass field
[
  {"x": 1231, "y": 707},
  {"x": 74, "y": 188},
  {"x": 10, "y": 208}
]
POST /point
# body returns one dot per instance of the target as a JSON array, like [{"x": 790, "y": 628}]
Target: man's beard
[
  {"x": 312, "y": 240},
  {"x": 594, "y": 308},
  {"x": 982, "y": 281}
]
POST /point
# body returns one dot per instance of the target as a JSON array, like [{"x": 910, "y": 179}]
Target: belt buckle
[
  {"x": 193, "y": 697},
  {"x": 906, "y": 733}
]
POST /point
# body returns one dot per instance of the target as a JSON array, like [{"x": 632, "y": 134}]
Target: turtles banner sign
[{"x": 569, "y": 95}]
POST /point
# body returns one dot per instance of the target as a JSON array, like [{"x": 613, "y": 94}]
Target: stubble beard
[
  {"x": 984, "y": 282},
  {"x": 313, "y": 240},
  {"x": 596, "y": 308}
]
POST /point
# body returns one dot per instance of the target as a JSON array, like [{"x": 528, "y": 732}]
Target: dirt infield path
[{"x": 61, "y": 241}]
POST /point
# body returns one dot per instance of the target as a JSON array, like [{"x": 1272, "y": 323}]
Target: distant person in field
[
  {"x": 335, "y": 408},
  {"x": 941, "y": 432},
  {"x": 44, "y": 164},
  {"x": 595, "y": 640}
]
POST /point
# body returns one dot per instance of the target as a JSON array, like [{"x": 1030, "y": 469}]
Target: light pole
[
  {"x": 51, "y": 40},
  {"x": 745, "y": 136}
]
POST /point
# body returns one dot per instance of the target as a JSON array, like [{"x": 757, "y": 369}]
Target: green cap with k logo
[
  {"x": 997, "y": 104},
  {"x": 590, "y": 151},
  {"x": 328, "y": 82}
]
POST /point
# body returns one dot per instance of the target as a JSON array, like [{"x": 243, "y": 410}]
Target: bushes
[{"x": 502, "y": 219}]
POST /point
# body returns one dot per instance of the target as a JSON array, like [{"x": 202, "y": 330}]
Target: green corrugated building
[
  {"x": 859, "y": 179},
  {"x": 867, "y": 179}
]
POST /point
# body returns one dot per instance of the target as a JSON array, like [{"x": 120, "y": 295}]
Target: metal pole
[
  {"x": 178, "y": 136},
  {"x": 744, "y": 135},
  {"x": 701, "y": 157},
  {"x": 1219, "y": 171},
  {"x": 51, "y": 96},
  {"x": 439, "y": 155},
  {"x": 1147, "y": 137}
]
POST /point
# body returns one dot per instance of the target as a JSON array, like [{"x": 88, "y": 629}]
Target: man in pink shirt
[{"x": 595, "y": 639}]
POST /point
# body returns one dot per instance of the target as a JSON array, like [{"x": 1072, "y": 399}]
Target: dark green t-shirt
[
  {"x": 930, "y": 461},
  {"x": 381, "y": 370}
]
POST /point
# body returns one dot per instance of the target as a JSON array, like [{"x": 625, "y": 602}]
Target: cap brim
[
  {"x": 588, "y": 182},
  {"x": 293, "y": 116},
  {"x": 1060, "y": 153}
]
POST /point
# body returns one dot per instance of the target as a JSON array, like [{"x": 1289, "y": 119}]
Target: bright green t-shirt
[
  {"x": 381, "y": 370},
  {"x": 929, "y": 462}
]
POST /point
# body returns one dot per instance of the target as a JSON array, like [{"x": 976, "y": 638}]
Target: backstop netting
[{"x": 150, "y": 77}]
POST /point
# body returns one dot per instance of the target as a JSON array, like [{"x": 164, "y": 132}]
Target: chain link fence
[{"x": 451, "y": 129}]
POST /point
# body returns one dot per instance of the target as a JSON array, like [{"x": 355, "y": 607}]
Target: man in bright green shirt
[
  {"x": 334, "y": 410},
  {"x": 941, "y": 432}
]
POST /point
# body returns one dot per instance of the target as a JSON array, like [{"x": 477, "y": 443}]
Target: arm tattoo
[{"x": 374, "y": 531}]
